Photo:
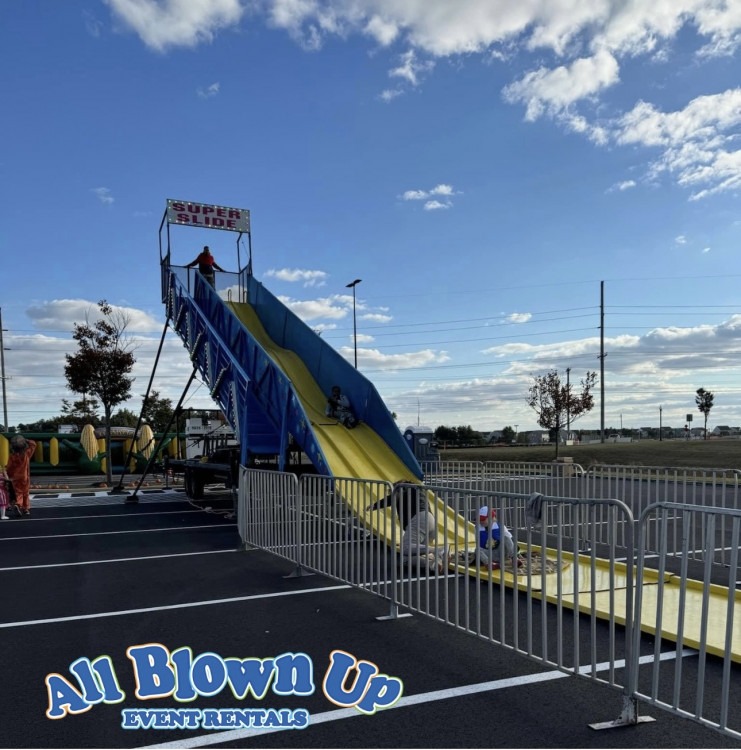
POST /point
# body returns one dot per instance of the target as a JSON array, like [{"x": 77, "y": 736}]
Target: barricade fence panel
[
  {"x": 337, "y": 536},
  {"x": 554, "y": 478},
  {"x": 565, "y": 599},
  {"x": 269, "y": 512},
  {"x": 463, "y": 474},
  {"x": 641, "y": 486},
  {"x": 532, "y": 589},
  {"x": 544, "y": 606},
  {"x": 703, "y": 682}
]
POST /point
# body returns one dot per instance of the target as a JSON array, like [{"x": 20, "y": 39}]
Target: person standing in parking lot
[{"x": 19, "y": 471}]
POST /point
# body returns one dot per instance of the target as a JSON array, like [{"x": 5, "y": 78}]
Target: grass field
[{"x": 716, "y": 454}]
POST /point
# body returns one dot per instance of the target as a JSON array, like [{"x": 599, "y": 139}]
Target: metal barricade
[
  {"x": 559, "y": 607},
  {"x": 269, "y": 510},
  {"x": 562, "y": 608},
  {"x": 696, "y": 600},
  {"x": 579, "y": 611},
  {"x": 462, "y": 474},
  {"x": 641, "y": 486},
  {"x": 559, "y": 478},
  {"x": 337, "y": 537}
]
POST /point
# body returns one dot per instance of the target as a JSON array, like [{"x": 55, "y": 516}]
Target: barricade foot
[
  {"x": 394, "y": 614},
  {"x": 300, "y": 572},
  {"x": 629, "y": 717}
]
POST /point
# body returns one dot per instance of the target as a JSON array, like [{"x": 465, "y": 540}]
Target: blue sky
[{"x": 480, "y": 165}]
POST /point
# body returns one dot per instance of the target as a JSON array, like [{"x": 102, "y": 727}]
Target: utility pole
[
  {"x": 602, "y": 356},
  {"x": 568, "y": 403},
  {"x": 661, "y": 431},
  {"x": 2, "y": 373}
]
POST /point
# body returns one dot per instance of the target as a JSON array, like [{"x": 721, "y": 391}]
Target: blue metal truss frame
[{"x": 240, "y": 374}]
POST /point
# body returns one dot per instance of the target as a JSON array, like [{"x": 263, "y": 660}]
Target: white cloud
[
  {"x": 388, "y": 95},
  {"x": 442, "y": 189},
  {"x": 64, "y": 313},
  {"x": 209, "y": 91},
  {"x": 373, "y": 358},
  {"x": 104, "y": 195},
  {"x": 436, "y": 205},
  {"x": 376, "y": 317},
  {"x": 622, "y": 186},
  {"x": 693, "y": 141},
  {"x": 305, "y": 276},
  {"x": 177, "y": 23},
  {"x": 519, "y": 317},
  {"x": 440, "y": 28},
  {"x": 431, "y": 203},
  {"x": 582, "y": 45},
  {"x": 411, "y": 68},
  {"x": 551, "y": 91},
  {"x": 705, "y": 250},
  {"x": 680, "y": 239},
  {"x": 328, "y": 307},
  {"x": 382, "y": 30},
  {"x": 415, "y": 195}
]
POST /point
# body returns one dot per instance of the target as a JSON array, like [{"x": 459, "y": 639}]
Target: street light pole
[
  {"x": 2, "y": 374},
  {"x": 352, "y": 286}
]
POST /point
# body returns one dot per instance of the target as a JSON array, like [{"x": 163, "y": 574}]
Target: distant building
[{"x": 726, "y": 431}]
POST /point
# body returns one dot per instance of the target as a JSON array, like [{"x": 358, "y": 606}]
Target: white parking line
[
  {"x": 186, "y": 605},
  {"x": 107, "y": 533},
  {"x": 122, "y": 559},
  {"x": 215, "y": 738},
  {"x": 50, "y": 519}
]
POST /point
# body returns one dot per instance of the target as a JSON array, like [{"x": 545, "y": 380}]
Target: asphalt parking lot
[{"x": 94, "y": 583}]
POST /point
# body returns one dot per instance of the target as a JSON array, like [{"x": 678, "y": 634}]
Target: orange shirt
[{"x": 19, "y": 464}]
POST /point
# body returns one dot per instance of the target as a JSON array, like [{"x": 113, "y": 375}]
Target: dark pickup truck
[{"x": 221, "y": 467}]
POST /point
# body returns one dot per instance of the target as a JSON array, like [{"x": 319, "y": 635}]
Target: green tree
[
  {"x": 508, "y": 435},
  {"x": 468, "y": 436},
  {"x": 124, "y": 418},
  {"x": 704, "y": 401},
  {"x": 102, "y": 365},
  {"x": 554, "y": 401},
  {"x": 84, "y": 411},
  {"x": 446, "y": 435},
  {"x": 157, "y": 412}
]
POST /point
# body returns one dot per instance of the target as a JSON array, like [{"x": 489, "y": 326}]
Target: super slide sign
[{"x": 207, "y": 216}]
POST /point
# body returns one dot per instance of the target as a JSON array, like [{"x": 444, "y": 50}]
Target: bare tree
[
  {"x": 552, "y": 400},
  {"x": 102, "y": 365},
  {"x": 704, "y": 401}
]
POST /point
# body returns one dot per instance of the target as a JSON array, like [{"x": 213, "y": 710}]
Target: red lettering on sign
[
  {"x": 220, "y": 212},
  {"x": 178, "y": 206},
  {"x": 234, "y": 214},
  {"x": 184, "y": 218},
  {"x": 231, "y": 223}
]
